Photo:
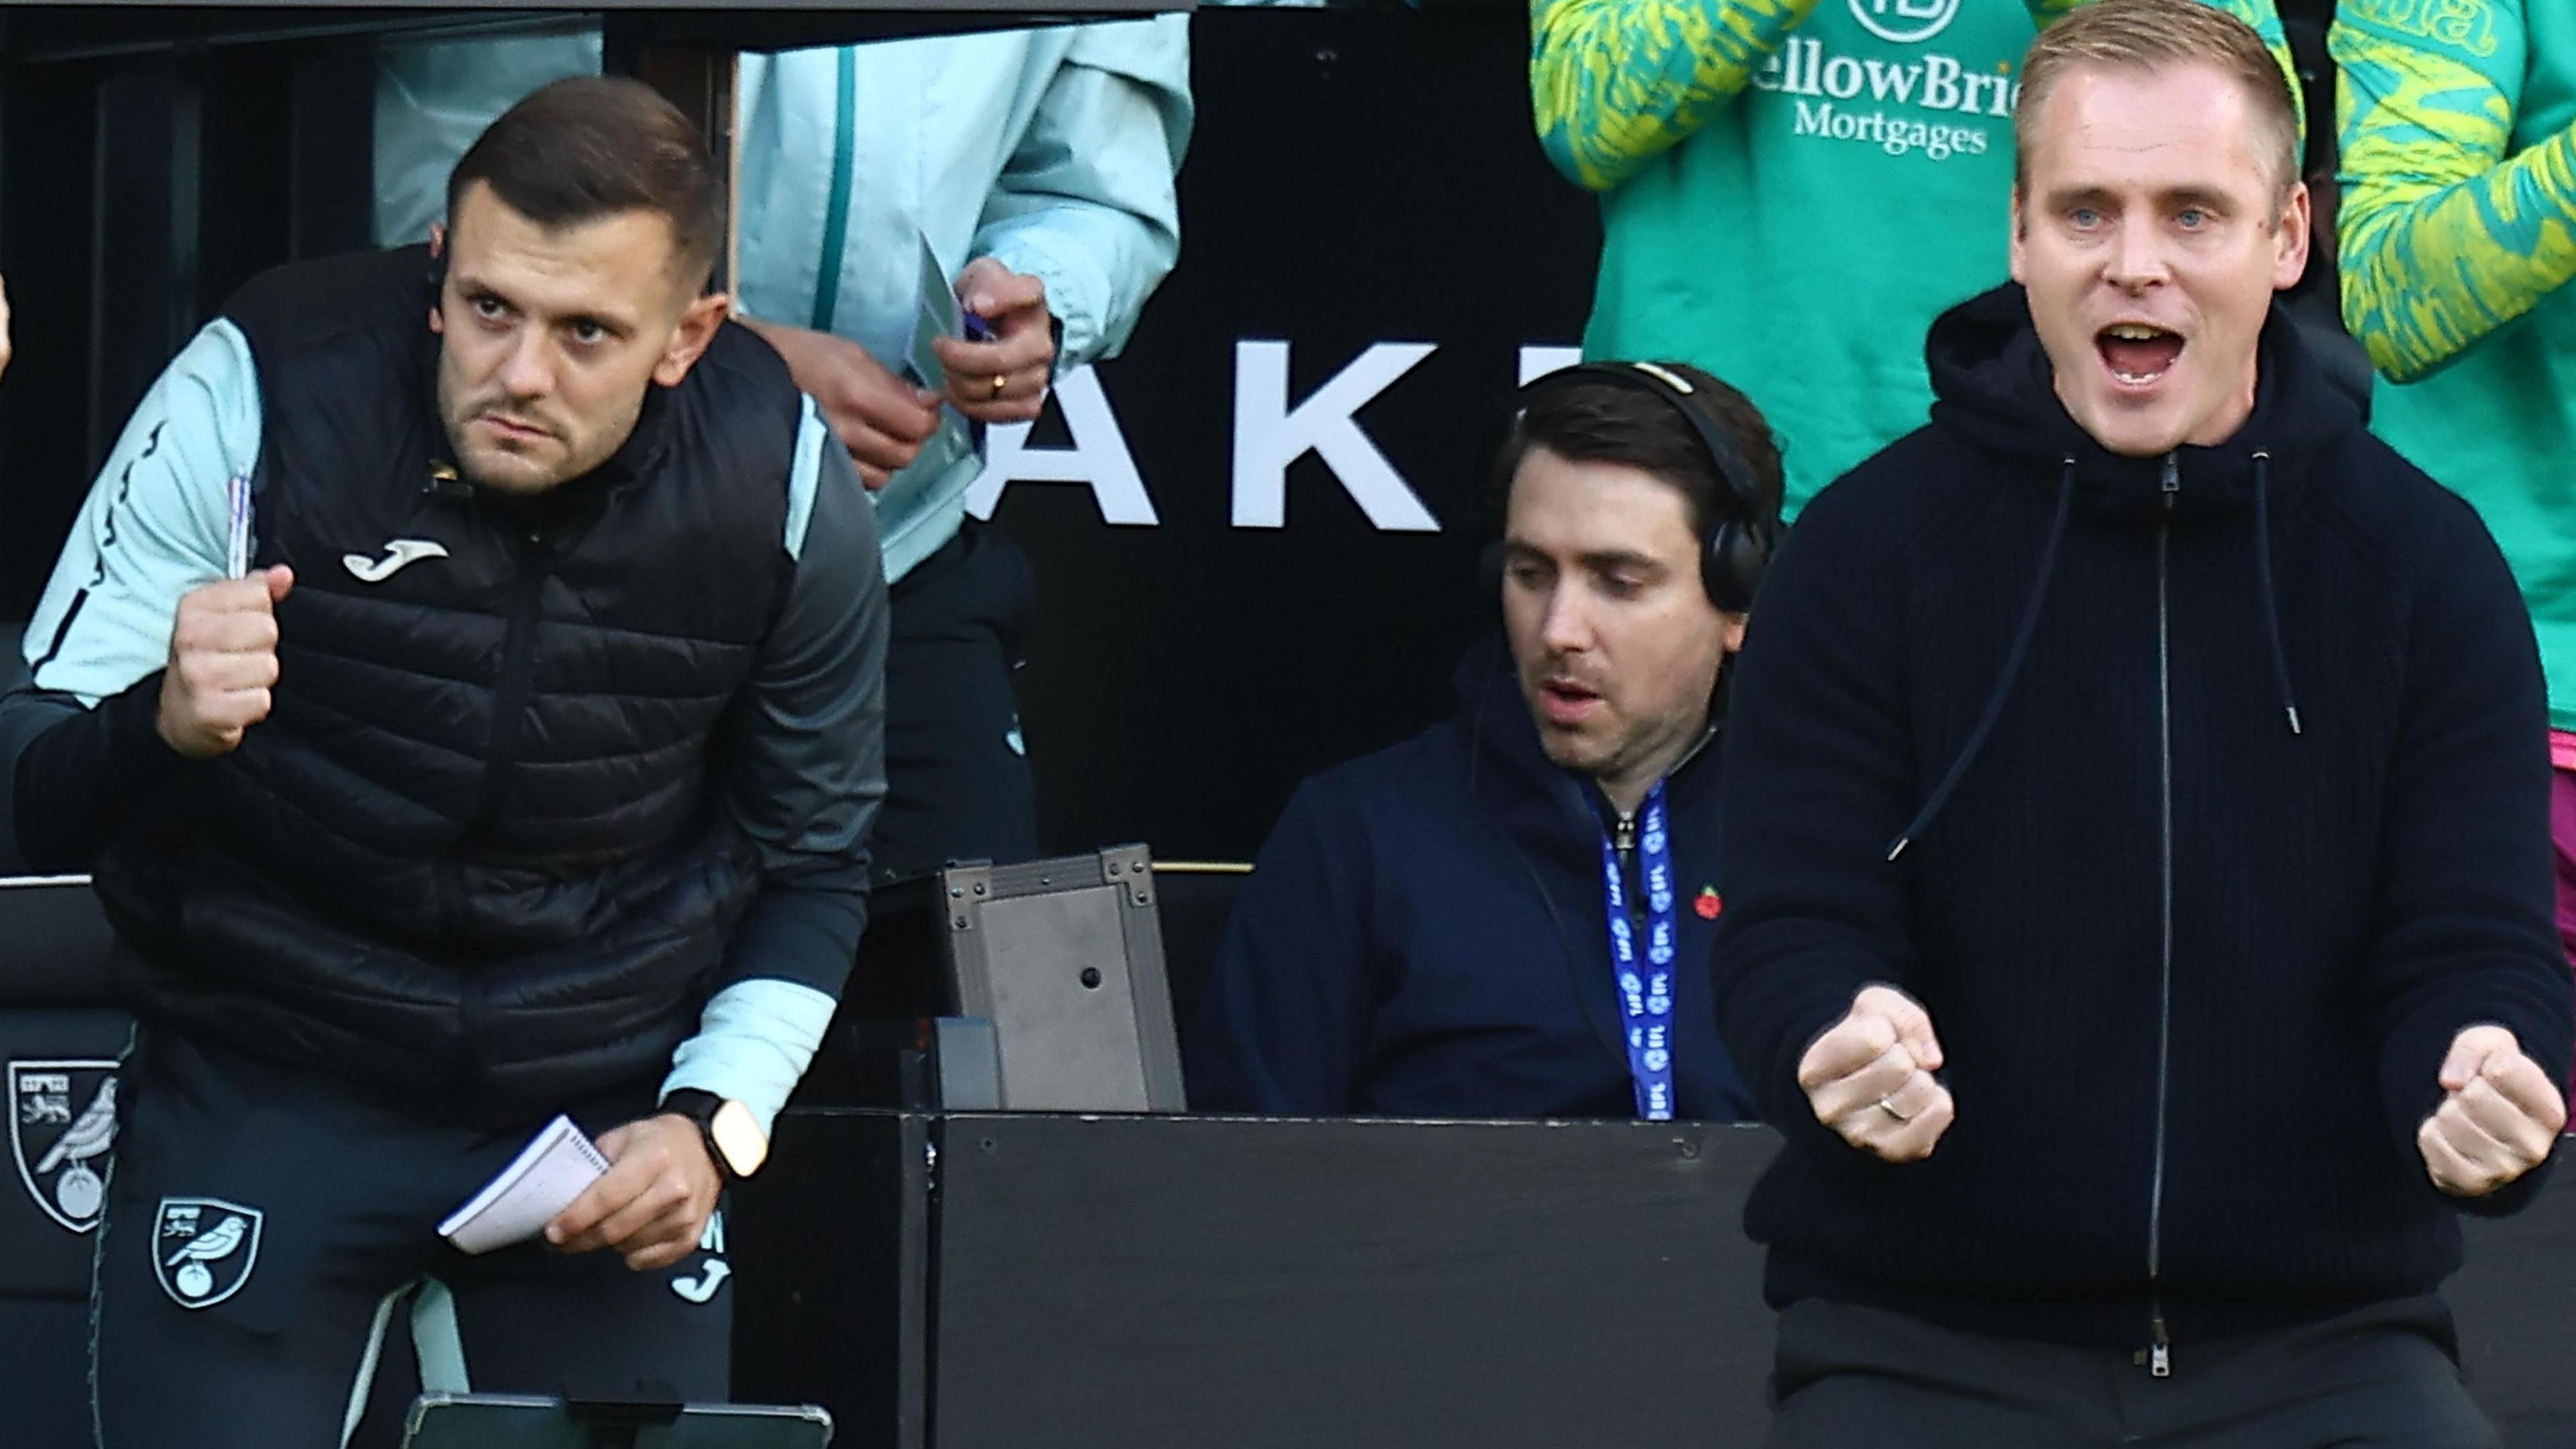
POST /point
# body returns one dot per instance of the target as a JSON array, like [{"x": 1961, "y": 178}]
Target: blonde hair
[{"x": 2152, "y": 35}]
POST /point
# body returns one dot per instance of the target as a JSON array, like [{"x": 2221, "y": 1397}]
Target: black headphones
[{"x": 1736, "y": 541}]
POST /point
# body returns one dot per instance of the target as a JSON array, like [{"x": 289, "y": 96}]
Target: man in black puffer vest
[
  {"x": 465, "y": 681},
  {"x": 2140, "y": 905}
]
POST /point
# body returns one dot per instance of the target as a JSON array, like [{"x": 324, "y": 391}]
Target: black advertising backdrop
[{"x": 1358, "y": 181}]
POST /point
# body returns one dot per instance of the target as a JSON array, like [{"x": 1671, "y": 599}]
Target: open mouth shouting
[{"x": 2138, "y": 354}]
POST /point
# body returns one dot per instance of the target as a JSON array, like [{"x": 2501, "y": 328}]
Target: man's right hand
[
  {"x": 1870, "y": 1077},
  {"x": 882, "y": 419},
  {"x": 223, "y": 658}
]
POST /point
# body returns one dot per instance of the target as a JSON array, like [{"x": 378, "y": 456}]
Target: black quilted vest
[{"x": 474, "y": 860}]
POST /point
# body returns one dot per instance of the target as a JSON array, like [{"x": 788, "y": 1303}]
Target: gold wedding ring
[
  {"x": 1889, "y": 1108},
  {"x": 1000, "y": 380}
]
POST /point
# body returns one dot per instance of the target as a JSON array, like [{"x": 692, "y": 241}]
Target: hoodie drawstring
[
  {"x": 2012, "y": 666},
  {"x": 2263, "y": 579}
]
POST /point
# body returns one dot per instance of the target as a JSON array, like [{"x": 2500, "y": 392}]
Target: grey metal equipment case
[{"x": 1037, "y": 987}]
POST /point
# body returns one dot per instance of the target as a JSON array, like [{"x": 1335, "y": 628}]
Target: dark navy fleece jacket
[
  {"x": 2194, "y": 973},
  {"x": 1424, "y": 935}
]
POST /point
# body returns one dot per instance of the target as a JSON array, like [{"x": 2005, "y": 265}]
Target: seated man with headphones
[{"x": 1510, "y": 914}]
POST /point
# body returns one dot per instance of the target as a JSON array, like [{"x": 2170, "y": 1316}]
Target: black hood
[{"x": 1993, "y": 385}]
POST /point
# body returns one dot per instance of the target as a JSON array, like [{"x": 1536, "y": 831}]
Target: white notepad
[{"x": 547, "y": 1175}]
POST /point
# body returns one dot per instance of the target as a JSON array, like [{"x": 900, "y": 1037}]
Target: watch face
[{"x": 738, "y": 1136}]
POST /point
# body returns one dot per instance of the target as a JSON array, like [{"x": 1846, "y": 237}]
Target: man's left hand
[
  {"x": 1004, "y": 380},
  {"x": 654, "y": 1201},
  {"x": 2499, "y": 1120}
]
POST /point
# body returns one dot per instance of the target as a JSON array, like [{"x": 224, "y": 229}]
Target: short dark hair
[
  {"x": 1603, "y": 422},
  {"x": 588, "y": 147}
]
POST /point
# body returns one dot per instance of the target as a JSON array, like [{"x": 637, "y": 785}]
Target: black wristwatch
[{"x": 735, "y": 1143}]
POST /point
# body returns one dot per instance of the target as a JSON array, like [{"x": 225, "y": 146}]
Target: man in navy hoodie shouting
[
  {"x": 1509, "y": 915},
  {"x": 2140, "y": 901}
]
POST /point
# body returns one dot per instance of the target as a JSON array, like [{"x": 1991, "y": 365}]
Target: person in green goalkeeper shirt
[
  {"x": 2458, "y": 125},
  {"x": 1791, "y": 190}
]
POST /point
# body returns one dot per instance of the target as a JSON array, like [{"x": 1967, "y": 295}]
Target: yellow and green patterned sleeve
[
  {"x": 2446, "y": 237},
  {"x": 1614, "y": 83},
  {"x": 2263, "y": 15}
]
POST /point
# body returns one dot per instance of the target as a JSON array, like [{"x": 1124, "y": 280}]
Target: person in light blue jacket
[{"x": 1039, "y": 167}]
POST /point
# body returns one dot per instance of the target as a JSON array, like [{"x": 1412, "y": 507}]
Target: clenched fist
[
  {"x": 2499, "y": 1120},
  {"x": 223, "y": 658},
  {"x": 1870, "y": 1077}
]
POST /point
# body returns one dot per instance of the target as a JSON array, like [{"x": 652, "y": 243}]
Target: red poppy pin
[{"x": 1709, "y": 903}]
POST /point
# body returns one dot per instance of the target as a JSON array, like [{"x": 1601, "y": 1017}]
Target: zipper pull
[
  {"x": 2172, "y": 480},
  {"x": 1623, "y": 836},
  {"x": 443, "y": 483},
  {"x": 2160, "y": 1353}
]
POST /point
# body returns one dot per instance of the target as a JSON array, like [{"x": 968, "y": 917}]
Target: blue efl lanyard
[{"x": 1646, "y": 998}]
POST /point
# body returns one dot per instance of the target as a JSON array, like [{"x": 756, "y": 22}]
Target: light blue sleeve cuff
[
  {"x": 754, "y": 1041},
  {"x": 805, "y": 474},
  {"x": 1079, "y": 292}
]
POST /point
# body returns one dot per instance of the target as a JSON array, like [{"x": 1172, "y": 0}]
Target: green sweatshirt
[
  {"x": 2458, "y": 244},
  {"x": 1793, "y": 189}
]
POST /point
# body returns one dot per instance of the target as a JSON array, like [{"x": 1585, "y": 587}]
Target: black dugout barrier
[{"x": 992, "y": 1281}]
